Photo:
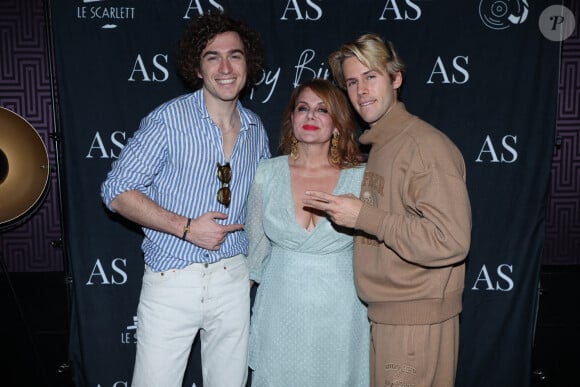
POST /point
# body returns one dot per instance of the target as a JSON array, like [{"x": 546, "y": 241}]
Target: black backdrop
[{"x": 484, "y": 72}]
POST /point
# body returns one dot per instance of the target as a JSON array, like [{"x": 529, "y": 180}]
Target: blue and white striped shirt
[{"x": 173, "y": 159}]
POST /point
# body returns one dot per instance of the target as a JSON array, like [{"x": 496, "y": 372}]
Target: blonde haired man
[{"x": 413, "y": 220}]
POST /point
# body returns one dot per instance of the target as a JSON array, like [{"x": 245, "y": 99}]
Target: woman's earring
[
  {"x": 294, "y": 149},
  {"x": 334, "y": 156}
]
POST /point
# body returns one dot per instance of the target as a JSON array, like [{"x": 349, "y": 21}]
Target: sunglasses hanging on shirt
[{"x": 224, "y": 174}]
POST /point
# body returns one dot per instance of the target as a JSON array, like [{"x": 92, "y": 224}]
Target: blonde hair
[{"x": 372, "y": 51}]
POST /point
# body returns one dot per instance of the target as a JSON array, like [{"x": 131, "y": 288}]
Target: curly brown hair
[
  {"x": 342, "y": 116},
  {"x": 203, "y": 29}
]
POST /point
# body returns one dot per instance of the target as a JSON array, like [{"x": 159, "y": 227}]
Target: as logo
[
  {"x": 308, "y": 11},
  {"x": 105, "y": 149},
  {"x": 148, "y": 72},
  {"x": 489, "y": 152},
  {"x": 454, "y": 72},
  {"x": 498, "y": 281},
  {"x": 113, "y": 275},
  {"x": 195, "y": 5},
  {"x": 400, "y": 10}
]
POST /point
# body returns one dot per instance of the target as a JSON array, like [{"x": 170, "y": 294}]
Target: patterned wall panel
[
  {"x": 25, "y": 90},
  {"x": 562, "y": 244}
]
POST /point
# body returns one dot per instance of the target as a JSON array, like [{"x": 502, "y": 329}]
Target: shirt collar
[{"x": 246, "y": 118}]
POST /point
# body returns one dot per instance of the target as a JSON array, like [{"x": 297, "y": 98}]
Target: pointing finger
[
  {"x": 233, "y": 227},
  {"x": 320, "y": 196}
]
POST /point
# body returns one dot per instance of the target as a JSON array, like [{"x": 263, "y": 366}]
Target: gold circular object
[{"x": 24, "y": 168}]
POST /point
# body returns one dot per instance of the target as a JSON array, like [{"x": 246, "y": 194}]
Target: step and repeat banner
[{"x": 484, "y": 72}]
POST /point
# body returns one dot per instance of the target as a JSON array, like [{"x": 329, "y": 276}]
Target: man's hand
[
  {"x": 206, "y": 233},
  {"x": 343, "y": 210}
]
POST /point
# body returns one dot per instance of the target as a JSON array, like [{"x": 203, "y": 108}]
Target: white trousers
[{"x": 174, "y": 305}]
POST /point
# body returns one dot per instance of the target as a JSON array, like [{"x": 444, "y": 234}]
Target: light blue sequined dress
[{"x": 308, "y": 326}]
